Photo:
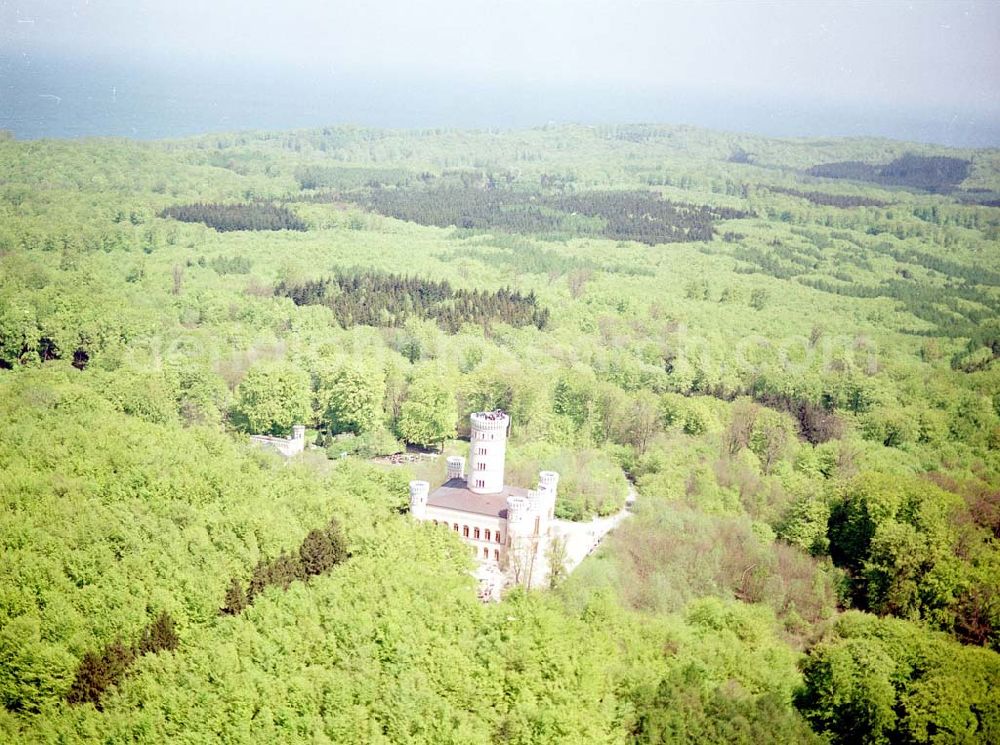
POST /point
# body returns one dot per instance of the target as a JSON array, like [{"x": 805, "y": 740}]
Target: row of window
[
  {"x": 486, "y": 553},
  {"x": 476, "y": 533}
]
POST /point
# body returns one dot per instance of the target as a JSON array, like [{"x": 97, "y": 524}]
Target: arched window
[
  {"x": 486, "y": 553},
  {"x": 488, "y": 535},
  {"x": 498, "y": 536},
  {"x": 465, "y": 531},
  {"x": 455, "y": 527},
  {"x": 496, "y": 554},
  {"x": 475, "y": 533}
]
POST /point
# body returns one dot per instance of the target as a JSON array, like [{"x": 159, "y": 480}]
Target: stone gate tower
[{"x": 487, "y": 451}]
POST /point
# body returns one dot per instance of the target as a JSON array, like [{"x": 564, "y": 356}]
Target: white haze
[{"x": 941, "y": 55}]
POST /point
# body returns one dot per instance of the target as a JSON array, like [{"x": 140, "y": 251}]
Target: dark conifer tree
[{"x": 236, "y": 598}]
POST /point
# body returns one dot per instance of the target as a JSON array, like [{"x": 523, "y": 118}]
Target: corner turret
[
  {"x": 455, "y": 467},
  {"x": 419, "y": 491},
  {"x": 517, "y": 516},
  {"x": 548, "y": 486}
]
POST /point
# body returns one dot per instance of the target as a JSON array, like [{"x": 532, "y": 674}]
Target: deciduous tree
[{"x": 273, "y": 397}]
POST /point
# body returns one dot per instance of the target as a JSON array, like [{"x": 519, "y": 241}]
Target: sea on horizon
[{"x": 64, "y": 98}]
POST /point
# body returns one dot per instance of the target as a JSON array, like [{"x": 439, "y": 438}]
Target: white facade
[{"x": 486, "y": 534}]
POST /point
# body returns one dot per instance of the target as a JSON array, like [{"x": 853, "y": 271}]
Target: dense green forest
[{"x": 788, "y": 348}]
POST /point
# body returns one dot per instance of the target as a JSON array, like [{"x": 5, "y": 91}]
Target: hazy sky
[{"x": 938, "y": 52}]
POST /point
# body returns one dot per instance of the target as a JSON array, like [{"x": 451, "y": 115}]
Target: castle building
[{"x": 506, "y": 526}]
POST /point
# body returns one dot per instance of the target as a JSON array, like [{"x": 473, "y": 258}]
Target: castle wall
[{"x": 286, "y": 446}]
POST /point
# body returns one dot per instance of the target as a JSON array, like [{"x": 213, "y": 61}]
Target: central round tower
[{"x": 487, "y": 451}]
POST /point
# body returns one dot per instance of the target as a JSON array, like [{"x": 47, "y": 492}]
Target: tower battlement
[{"x": 490, "y": 421}]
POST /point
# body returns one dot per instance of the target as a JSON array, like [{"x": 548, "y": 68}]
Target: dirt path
[{"x": 583, "y": 537}]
